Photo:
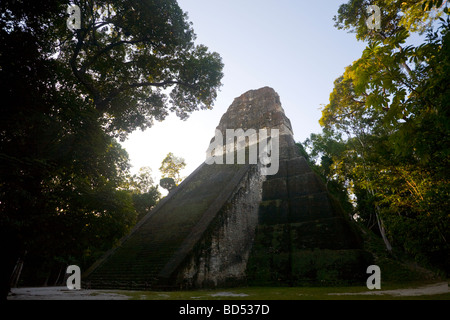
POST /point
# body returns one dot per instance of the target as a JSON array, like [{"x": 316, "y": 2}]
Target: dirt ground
[
  {"x": 62, "y": 293},
  {"x": 437, "y": 288}
]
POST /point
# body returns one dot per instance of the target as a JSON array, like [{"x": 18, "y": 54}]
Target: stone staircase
[{"x": 139, "y": 260}]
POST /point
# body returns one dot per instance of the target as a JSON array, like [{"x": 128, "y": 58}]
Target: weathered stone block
[
  {"x": 330, "y": 267},
  {"x": 310, "y": 207},
  {"x": 297, "y": 166},
  {"x": 304, "y": 184},
  {"x": 320, "y": 205},
  {"x": 275, "y": 189},
  {"x": 282, "y": 171},
  {"x": 273, "y": 212},
  {"x": 333, "y": 234}
]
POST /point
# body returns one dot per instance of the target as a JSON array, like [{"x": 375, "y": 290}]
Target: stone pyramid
[{"x": 228, "y": 224}]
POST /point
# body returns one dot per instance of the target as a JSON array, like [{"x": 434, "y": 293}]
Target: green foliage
[
  {"x": 167, "y": 183},
  {"x": 145, "y": 193},
  {"x": 144, "y": 202},
  {"x": 396, "y": 16},
  {"x": 130, "y": 57},
  {"x": 171, "y": 167},
  {"x": 65, "y": 192},
  {"x": 386, "y": 129}
]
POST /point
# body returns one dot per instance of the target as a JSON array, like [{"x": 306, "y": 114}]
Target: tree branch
[
  {"x": 81, "y": 35},
  {"x": 159, "y": 84},
  {"x": 102, "y": 104},
  {"x": 399, "y": 47},
  {"x": 106, "y": 49}
]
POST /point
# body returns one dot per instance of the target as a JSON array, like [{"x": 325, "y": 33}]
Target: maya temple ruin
[{"x": 230, "y": 224}]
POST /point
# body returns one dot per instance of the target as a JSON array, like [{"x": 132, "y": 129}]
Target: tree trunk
[
  {"x": 382, "y": 231},
  {"x": 59, "y": 275},
  {"x": 16, "y": 272}
]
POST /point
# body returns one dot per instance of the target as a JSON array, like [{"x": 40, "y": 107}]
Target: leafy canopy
[
  {"x": 133, "y": 61},
  {"x": 386, "y": 132},
  {"x": 67, "y": 95}
]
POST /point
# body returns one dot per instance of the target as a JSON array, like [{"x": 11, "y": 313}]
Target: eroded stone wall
[{"x": 220, "y": 259}]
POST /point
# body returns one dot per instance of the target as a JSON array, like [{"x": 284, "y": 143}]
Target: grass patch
[{"x": 285, "y": 293}]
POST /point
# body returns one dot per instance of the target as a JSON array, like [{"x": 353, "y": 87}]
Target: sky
[{"x": 289, "y": 45}]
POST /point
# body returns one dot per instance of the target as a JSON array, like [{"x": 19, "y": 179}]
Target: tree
[
  {"x": 171, "y": 167},
  {"x": 389, "y": 115},
  {"x": 128, "y": 54},
  {"x": 409, "y": 15},
  {"x": 66, "y": 96},
  {"x": 167, "y": 183},
  {"x": 143, "y": 181},
  {"x": 145, "y": 193}
]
